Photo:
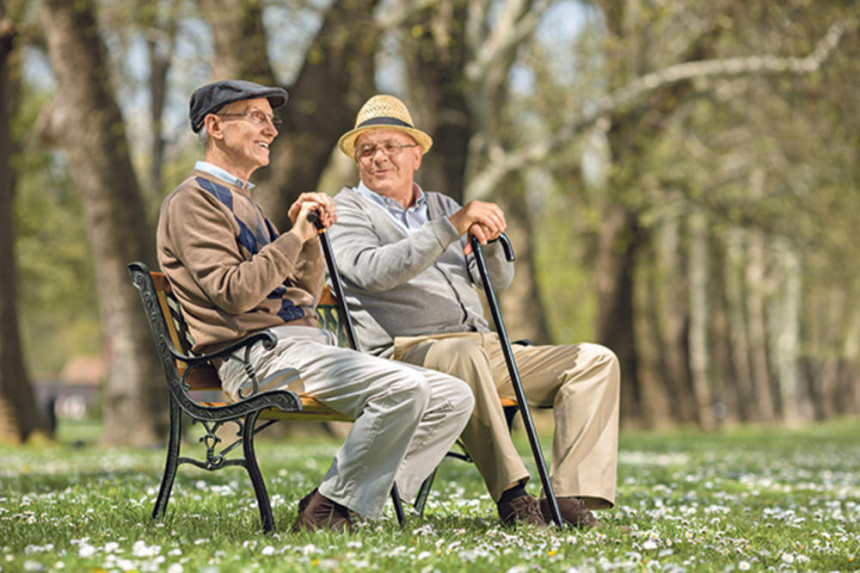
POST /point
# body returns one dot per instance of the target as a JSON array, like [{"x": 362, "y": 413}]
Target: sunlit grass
[{"x": 741, "y": 500}]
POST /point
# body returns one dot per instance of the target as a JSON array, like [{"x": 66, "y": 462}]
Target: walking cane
[
  {"x": 512, "y": 368},
  {"x": 343, "y": 312}
]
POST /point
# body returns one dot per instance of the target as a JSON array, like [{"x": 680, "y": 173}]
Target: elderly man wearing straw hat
[
  {"x": 408, "y": 275},
  {"x": 234, "y": 275}
]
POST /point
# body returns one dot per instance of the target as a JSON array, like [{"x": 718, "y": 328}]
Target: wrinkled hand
[
  {"x": 306, "y": 204},
  {"x": 486, "y": 221}
]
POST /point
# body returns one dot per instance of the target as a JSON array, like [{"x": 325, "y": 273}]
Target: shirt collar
[
  {"x": 223, "y": 175},
  {"x": 420, "y": 199}
]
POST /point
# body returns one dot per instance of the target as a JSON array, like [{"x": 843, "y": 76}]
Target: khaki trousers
[{"x": 579, "y": 382}]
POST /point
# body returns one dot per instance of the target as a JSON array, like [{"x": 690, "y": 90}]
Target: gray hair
[{"x": 203, "y": 137}]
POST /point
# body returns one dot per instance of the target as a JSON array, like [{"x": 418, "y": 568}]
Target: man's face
[
  {"x": 387, "y": 160},
  {"x": 248, "y": 131}
]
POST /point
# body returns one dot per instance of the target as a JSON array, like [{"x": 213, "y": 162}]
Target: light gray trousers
[{"x": 406, "y": 417}]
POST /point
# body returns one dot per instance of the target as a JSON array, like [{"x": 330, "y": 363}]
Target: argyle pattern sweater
[{"x": 231, "y": 271}]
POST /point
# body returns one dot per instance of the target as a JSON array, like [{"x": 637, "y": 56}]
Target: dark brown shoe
[
  {"x": 318, "y": 512},
  {"x": 573, "y": 510},
  {"x": 521, "y": 510}
]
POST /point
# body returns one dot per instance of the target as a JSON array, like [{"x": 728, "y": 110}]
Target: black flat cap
[{"x": 212, "y": 97}]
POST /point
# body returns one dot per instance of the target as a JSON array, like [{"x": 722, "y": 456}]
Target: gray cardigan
[{"x": 400, "y": 284}]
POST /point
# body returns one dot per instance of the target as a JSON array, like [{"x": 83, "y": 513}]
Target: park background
[{"x": 680, "y": 179}]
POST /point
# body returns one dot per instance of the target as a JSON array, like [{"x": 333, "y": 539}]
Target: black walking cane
[
  {"x": 343, "y": 312},
  {"x": 512, "y": 368}
]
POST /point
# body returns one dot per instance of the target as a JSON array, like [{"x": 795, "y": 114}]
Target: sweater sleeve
[
  {"x": 202, "y": 234},
  {"x": 370, "y": 259},
  {"x": 501, "y": 270},
  {"x": 310, "y": 270}
]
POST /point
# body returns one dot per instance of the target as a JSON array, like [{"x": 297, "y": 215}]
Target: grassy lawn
[{"x": 742, "y": 500}]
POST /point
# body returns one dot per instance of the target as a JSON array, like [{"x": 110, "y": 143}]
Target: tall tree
[
  {"x": 17, "y": 402},
  {"x": 336, "y": 76},
  {"x": 87, "y": 123}
]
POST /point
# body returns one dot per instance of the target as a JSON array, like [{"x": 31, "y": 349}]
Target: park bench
[
  {"x": 195, "y": 393},
  {"x": 192, "y": 380}
]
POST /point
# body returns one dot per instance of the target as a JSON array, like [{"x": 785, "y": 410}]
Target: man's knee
[
  {"x": 600, "y": 359},
  {"x": 460, "y": 357},
  {"x": 463, "y": 398},
  {"x": 599, "y": 354},
  {"x": 412, "y": 390}
]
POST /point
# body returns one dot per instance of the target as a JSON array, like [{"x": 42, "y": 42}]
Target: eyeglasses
[
  {"x": 256, "y": 116},
  {"x": 389, "y": 148}
]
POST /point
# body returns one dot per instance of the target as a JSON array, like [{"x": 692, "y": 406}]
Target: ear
[
  {"x": 212, "y": 124},
  {"x": 419, "y": 155}
]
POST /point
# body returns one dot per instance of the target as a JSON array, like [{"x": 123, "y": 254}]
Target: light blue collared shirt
[
  {"x": 410, "y": 219},
  {"x": 223, "y": 175}
]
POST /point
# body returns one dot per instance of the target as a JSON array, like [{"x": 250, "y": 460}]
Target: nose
[
  {"x": 269, "y": 126},
  {"x": 377, "y": 151}
]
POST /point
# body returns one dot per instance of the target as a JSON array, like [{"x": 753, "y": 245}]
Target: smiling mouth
[{"x": 263, "y": 144}]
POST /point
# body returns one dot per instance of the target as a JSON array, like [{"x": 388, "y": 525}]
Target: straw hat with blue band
[{"x": 383, "y": 111}]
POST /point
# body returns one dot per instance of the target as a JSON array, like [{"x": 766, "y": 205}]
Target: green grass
[{"x": 747, "y": 499}]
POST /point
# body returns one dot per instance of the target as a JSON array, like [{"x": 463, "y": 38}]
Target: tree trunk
[
  {"x": 830, "y": 311},
  {"x": 658, "y": 406},
  {"x": 20, "y": 415},
  {"x": 241, "y": 49},
  {"x": 755, "y": 295},
  {"x": 522, "y": 304},
  {"x": 160, "y": 50},
  {"x": 699, "y": 319},
  {"x": 785, "y": 332},
  {"x": 618, "y": 245},
  {"x": 672, "y": 319},
  {"x": 88, "y": 123},
  {"x": 725, "y": 407},
  {"x": 738, "y": 332},
  {"x": 849, "y": 362},
  {"x": 436, "y": 59}
]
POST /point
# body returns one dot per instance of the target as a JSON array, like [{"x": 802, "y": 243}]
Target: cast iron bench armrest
[
  {"x": 285, "y": 400},
  {"x": 266, "y": 338}
]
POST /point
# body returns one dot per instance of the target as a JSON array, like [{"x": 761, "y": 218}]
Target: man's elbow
[
  {"x": 377, "y": 283},
  {"x": 233, "y": 305}
]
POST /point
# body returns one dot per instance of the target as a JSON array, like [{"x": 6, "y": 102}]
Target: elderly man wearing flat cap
[
  {"x": 234, "y": 275},
  {"x": 409, "y": 275}
]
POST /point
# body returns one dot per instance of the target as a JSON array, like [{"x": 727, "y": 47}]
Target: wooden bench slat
[{"x": 312, "y": 411}]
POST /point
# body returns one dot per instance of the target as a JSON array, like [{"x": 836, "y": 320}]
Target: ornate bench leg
[
  {"x": 172, "y": 463},
  {"x": 398, "y": 505},
  {"x": 423, "y": 494},
  {"x": 254, "y": 472}
]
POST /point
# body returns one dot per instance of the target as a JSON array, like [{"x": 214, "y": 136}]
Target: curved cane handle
[{"x": 506, "y": 245}]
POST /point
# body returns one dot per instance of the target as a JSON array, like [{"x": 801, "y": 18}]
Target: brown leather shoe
[
  {"x": 521, "y": 510},
  {"x": 573, "y": 510},
  {"x": 319, "y": 512}
]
